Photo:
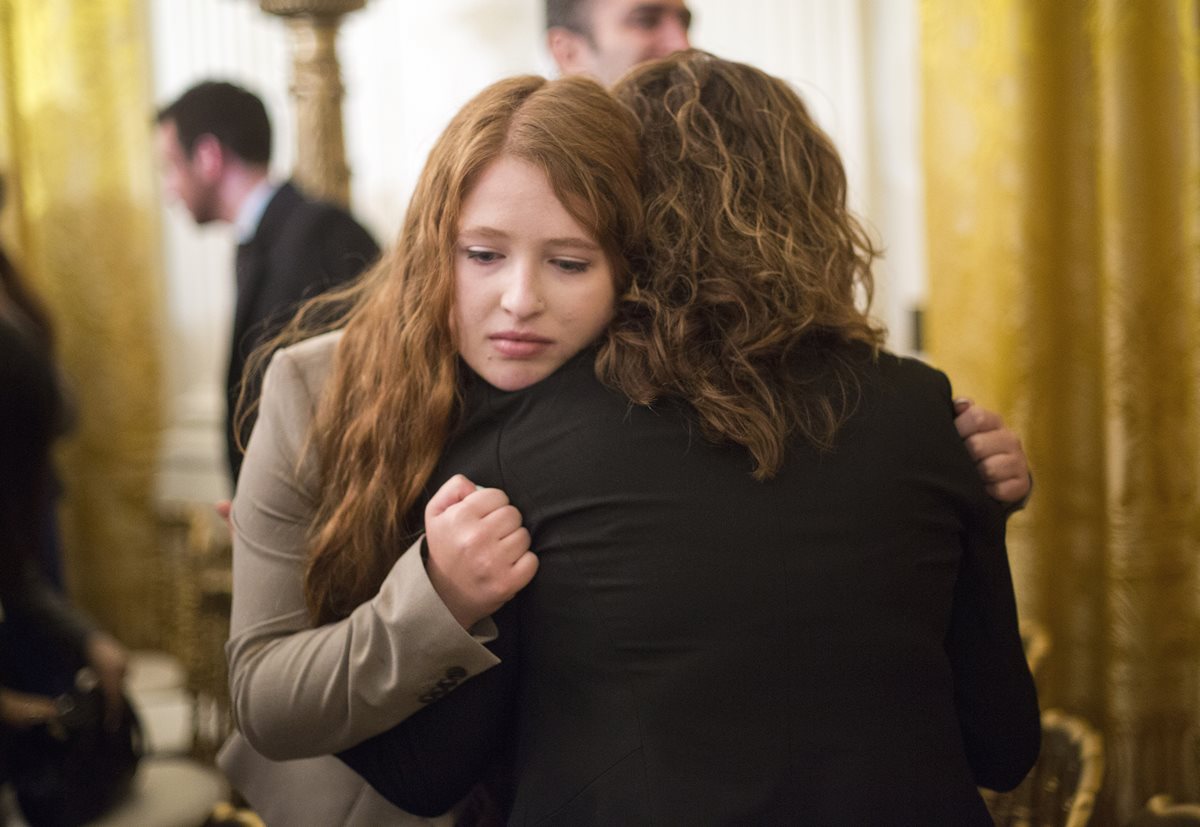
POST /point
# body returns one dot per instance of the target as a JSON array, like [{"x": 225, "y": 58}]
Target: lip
[{"x": 516, "y": 344}]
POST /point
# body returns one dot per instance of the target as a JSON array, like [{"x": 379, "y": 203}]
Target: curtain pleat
[
  {"x": 1062, "y": 156},
  {"x": 76, "y": 146}
]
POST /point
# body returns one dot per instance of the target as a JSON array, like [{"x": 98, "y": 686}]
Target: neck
[{"x": 237, "y": 184}]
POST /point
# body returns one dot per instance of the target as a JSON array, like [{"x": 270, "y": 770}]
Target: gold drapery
[
  {"x": 82, "y": 221},
  {"x": 1062, "y": 155}
]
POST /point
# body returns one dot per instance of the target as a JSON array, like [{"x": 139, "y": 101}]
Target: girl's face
[{"x": 532, "y": 287}]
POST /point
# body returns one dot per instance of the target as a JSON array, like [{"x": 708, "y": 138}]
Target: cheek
[
  {"x": 472, "y": 303},
  {"x": 596, "y": 309}
]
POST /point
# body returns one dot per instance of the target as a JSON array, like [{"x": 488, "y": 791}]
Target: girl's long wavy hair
[
  {"x": 746, "y": 301},
  {"x": 393, "y": 396}
]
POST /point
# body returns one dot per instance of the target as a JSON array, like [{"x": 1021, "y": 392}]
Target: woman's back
[{"x": 699, "y": 647}]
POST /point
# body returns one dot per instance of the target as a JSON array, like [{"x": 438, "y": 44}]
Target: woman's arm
[
  {"x": 431, "y": 761},
  {"x": 994, "y": 690},
  {"x": 30, "y": 602},
  {"x": 995, "y": 696},
  {"x": 299, "y": 691}
]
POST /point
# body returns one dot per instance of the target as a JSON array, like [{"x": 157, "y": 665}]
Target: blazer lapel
[{"x": 253, "y": 263}]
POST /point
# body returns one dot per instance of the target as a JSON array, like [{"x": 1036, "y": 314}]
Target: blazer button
[{"x": 432, "y": 695}]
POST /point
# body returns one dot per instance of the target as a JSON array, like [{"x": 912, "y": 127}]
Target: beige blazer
[{"x": 304, "y": 693}]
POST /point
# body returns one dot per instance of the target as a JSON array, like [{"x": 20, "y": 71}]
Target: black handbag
[{"x": 74, "y": 768}]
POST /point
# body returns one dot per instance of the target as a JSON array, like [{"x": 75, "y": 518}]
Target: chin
[{"x": 515, "y": 380}]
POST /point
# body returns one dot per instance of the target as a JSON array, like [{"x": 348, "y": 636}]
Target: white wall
[{"x": 408, "y": 66}]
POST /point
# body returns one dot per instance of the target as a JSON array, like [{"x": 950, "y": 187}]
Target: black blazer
[
  {"x": 302, "y": 248},
  {"x": 837, "y": 645}
]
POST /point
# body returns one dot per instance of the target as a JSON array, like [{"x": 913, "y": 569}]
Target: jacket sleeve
[
  {"x": 299, "y": 691},
  {"x": 29, "y": 409},
  {"x": 32, "y": 605},
  {"x": 995, "y": 697},
  {"x": 431, "y": 761},
  {"x": 994, "y": 691}
]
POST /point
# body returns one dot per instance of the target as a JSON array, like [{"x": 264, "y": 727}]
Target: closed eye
[
  {"x": 570, "y": 265},
  {"x": 482, "y": 256}
]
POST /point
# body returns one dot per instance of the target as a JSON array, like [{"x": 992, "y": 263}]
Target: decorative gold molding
[
  {"x": 317, "y": 90},
  {"x": 316, "y": 8}
]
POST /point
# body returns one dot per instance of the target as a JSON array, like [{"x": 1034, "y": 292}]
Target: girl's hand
[
  {"x": 479, "y": 553},
  {"x": 996, "y": 450}
]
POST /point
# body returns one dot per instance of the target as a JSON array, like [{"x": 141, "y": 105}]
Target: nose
[
  {"x": 522, "y": 297},
  {"x": 673, "y": 36}
]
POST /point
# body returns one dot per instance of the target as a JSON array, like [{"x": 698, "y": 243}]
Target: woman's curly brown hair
[{"x": 745, "y": 303}]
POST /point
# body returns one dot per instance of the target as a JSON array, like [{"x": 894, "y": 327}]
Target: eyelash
[
  {"x": 569, "y": 266},
  {"x": 482, "y": 256},
  {"x": 565, "y": 265}
]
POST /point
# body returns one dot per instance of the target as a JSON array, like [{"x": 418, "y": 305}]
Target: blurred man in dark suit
[{"x": 214, "y": 144}]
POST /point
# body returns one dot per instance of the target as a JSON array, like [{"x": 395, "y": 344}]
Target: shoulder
[
  {"x": 321, "y": 240},
  {"x": 303, "y": 368},
  {"x": 906, "y": 402},
  {"x": 313, "y": 210},
  {"x": 309, "y": 213},
  {"x": 292, "y": 387},
  {"x": 913, "y": 412},
  {"x": 901, "y": 382},
  {"x": 913, "y": 375}
]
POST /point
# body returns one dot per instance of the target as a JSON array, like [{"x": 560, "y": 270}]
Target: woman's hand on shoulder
[{"x": 479, "y": 555}]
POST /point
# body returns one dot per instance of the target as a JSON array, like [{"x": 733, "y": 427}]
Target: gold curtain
[
  {"x": 1062, "y": 157},
  {"x": 82, "y": 222}
]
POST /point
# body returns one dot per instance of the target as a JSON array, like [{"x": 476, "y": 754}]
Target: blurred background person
[
  {"x": 214, "y": 146},
  {"x": 44, "y": 640},
  {"x": 606, "y": 38},
  {"x": 27, "y": 313}
]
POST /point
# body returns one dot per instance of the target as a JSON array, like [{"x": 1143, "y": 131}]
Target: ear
[
  {"x": 208, "y": 157},
  {"x": 569, "y": 50}
]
